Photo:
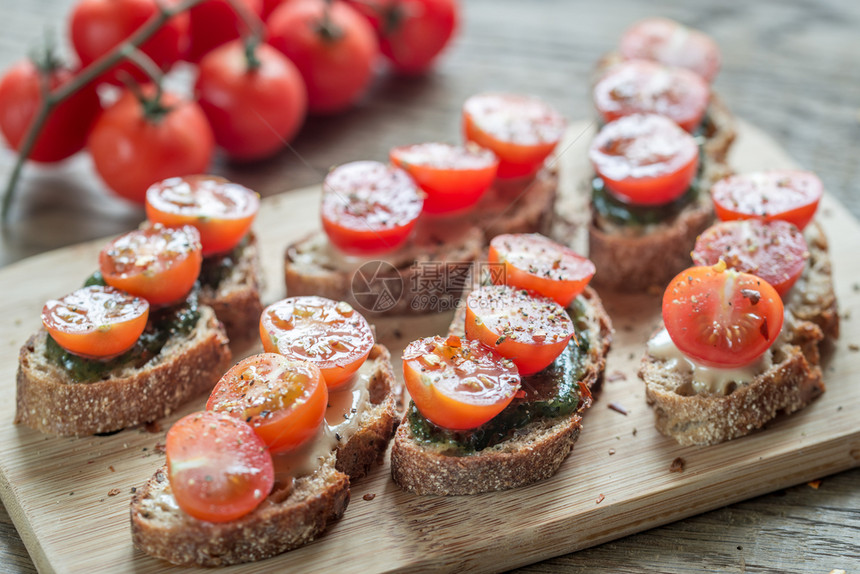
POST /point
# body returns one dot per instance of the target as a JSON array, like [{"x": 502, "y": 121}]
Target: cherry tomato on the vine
[{"x": 215, "y": 22}]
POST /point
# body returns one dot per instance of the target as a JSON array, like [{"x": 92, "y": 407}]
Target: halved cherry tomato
[
  {"x": 645, "y": 159},
  {"x": 219, "y": 469},
  {"x": 222, "y": 211},
  {"x": 157, "y": 263},
  {"x": 789, "y": 195},
  {"x": 330, "y": 334},
  {"x": 643, "y": 87},
  {"x": 773, "y": 250},
  {"x": 453, "y": 177},
  {"x": 458, "y": 384},
  {"x": 540, "y": 265},
  {"x": 722, "y": 317},
  {"x": 283, "y": 400},
  {"x": 521, "y": 130},
  {"x": 529, "y": 330},
  {"x": 369, "y": 207},
  {"x": 673, "y": 44},
  {"x": 96, "y": 322}
]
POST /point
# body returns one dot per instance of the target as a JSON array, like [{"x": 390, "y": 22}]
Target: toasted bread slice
[
  {"x": 732, "y": 404},
  {"x": 427, "y": 274},
  {"x": 812, "y": 298},
  {"x": 533, "y": 453},
  {"x": 296, "y": 512},
  {"x": 51, "y": 401},
  {"x": 233, "y": 290}
]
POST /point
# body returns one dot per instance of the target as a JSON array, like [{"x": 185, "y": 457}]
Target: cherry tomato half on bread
[
  {"x": 219, "y": 469},
  {"x": 540, "y": 265},
  {"x": 722, "y": 317},
  {"x": 453, "y": 177},
  {"x": 157, "y": 263},
  {"x": 789, "y": 195},
  {"x": 458, "y": 384},
  {"x": 531, "y": 331},
  {"x": 283, "y": 400},
  {"x": 330, "y": 334},
  {"x": 773, "y": 250},
  {"x": 643, "y": 87},
  {"x": 672, "y": 44},
  {"x": 222, "y": 211},
  {"x": 369, "y": 207},
  {"x": 521, "y": 130},
  {"x": 645, "y": 159},
  {"x": 96, "y": 322}
]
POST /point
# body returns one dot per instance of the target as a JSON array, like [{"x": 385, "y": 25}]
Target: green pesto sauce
[
  {"x": 216, "y": 268},
  {"x": 95, "y": 279},
  {"x": 551, "y": 393},
  {"x": 162, "y": 325}
]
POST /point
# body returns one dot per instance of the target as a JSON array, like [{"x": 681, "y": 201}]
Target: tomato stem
[
  {"x": 253, "y": 28},
  {"x": 326, "y": 27},
  {"x": 251, "y": 58}
]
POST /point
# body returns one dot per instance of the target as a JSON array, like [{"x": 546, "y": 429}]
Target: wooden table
[{"x": 791, "y": 68}]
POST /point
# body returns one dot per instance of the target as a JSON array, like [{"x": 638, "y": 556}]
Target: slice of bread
[
  {"x": 296, "y": 512},
  {"x": 427, "y": 274},
  {"x": 533, "y": 453},
  {"x": 813, "y": 298},
  {"x": 50, "y": 401},
  {"x": 784, "y": 381},
  {"x": 235, "y": 296}
]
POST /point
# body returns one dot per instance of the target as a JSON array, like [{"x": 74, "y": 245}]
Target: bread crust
[
  {"x": 533, "y": 454},
  {"x": 50, "y": 402},
  {"x": 813, "y": 297}
]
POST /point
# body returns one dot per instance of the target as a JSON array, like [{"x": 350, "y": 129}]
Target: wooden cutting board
[{"x": 69, "y": 497}]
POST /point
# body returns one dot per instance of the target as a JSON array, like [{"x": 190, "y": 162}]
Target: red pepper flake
[
  {"x": 160, "y": 448},
  {"x": 152, "y": 427},
  {"x": 454, "y": 341},
  {"x": 600, "y": 499},
  {"x": 677, "y": 465},
  {"x": 616, "y": 376},
  {"x": 113, "y": 491},
  {"x": 618, "y": 408},
  {"x": 584, "y": 391},
  {"x": 369, "y": 496},
  {"x": 111, "y": 468},
  {"x": 814, "y": 484}
]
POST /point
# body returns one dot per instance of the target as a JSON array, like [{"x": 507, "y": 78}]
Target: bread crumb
[
  {"x": 837, "y": 571},
  {"x": 369, "y": 496},
  {"x": 616, "y": 376},
  {"x": 611, "y": 451},
  {"x": 814, "y": 484},
  {"x": 113, "y": 491},
  {"x": 853, "y": 347},
  {"x": 618, "y": 408},
  {"x": 160, "y": 448},
  {"x": 677, "y": 465},
  {"x": 152, "y": 427},
  {"x": 600, "y": 499},
  {"x": 635, "y": 431}
]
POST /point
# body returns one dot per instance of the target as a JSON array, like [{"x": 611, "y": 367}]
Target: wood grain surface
[{"x": 791, "y": 67}]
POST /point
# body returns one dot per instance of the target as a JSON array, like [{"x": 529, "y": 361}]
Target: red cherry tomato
[
  {"x": 789, "y": 195},
  {"x": 521, "y": 130},
  {"x": 97, "y": 26},
  {"x": 133, "y": 148},
  {"x": 96, "y": 322},
  {"x": 773, "y": 250},
  {"x": 458, "y": 384},
  {"x": 219, "y": 470},
  {"x": 222, "y": 211},
  {"x": 673, "y": 44},
  {"x": 368, "y": 207},
  {"x": 453, "y": 178},
  {"x": 722, "y": 317},
  {"x": 412, "y": 33},
  {"x": 283, "y": 400},
  {"x": 645, "y": 159},
  {"x": 66, "y": 129},
  {"x": 529, "y": 330},
  {"x": 157, "y": 263},
  {"x": 540, "y": 265},
  {"x": 332, "y": 335},
  {"x": 254, "y": 106},
  {"x": 643, "y": 87},
  {"x": 332, "y": 46},
  {"x": 215, "y": 22}
]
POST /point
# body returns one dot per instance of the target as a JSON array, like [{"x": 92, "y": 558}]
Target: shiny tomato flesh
[
  {"x": 96, "y": 322},
  {"x": 521, "y": 130},
  {"x": 673, "y": 44},
  {"x": 643, "y": 87},
  {"x": 458, "y": 384},
  {"x": 721, "y": 317},
  {"x": 540, "y": 265},
  {"x": 645, "y": 159},
  {"x": 221, "y": 211},
  {"x": 530, "y": 331},
  {"x": 368, "y": 207},
  {"x": 773, "y": 250},
  {"x": 219, "y": 469},
  {"x": 789, "y": 195},
  {"x": 157, "y": 263},
  {"x": 283, "y": 400},
  {"x": 330, "y": 334},
  {"x": 453, "y": 178}
]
